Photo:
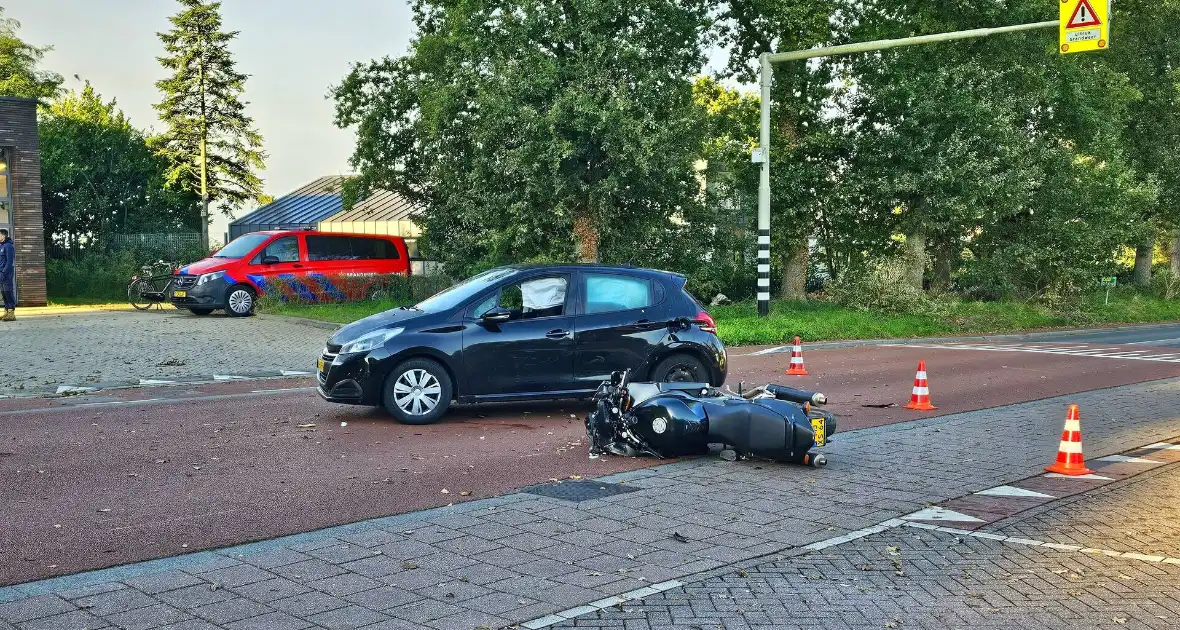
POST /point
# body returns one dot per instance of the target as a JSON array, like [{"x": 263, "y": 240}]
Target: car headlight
[
  {"x": 210, "y": 277},
  {"x": 375, "y": 339}
]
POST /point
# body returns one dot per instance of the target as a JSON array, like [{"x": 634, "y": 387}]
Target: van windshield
[
  {"x": 241, "y": 246},
  {"x": 456, "y": 295}
]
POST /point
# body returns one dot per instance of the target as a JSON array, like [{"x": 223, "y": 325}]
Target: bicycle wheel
[{"x": 135, "y": 295}]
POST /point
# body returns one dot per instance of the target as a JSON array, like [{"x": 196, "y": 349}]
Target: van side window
[
  {"x": 373, "y": 249},
  {"x": 329, "y": 248},
  {"x": 284, "y": 250}
]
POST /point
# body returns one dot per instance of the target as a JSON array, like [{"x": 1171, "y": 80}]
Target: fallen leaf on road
[
  {"x": 306, "y": 426},
  {"x": 445, "y": 491},
  {"x": 575, "y": 477},
  {"x": 409, "y": 566},
  {"x": 679, "y": 537},
  {"x": 104, "y": 510},
  {"x": 465, "y": 493},
  {"x": 1119, "y": 620},
  {"x": 880, "y": 405}
]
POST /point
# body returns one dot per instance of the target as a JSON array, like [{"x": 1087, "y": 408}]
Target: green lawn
[{"x": 739, "y": 324}]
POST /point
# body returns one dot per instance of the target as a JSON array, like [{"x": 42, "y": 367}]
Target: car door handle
[
  {"x": 558, "y": 333},
  {"x": 297, "y": 266}
]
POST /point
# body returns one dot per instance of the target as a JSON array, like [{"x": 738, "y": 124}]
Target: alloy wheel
[
  {"x": 417, "y": 392},
  {"x": 240, "y": 301},
  {"x": 682, "y": 374}
]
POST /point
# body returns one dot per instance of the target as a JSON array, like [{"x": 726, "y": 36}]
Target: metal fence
[{"x": 172, "y": 244}]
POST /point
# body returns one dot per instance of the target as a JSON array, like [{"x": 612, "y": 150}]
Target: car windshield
[
  {"x": 242, "y": 245},
  {"x": 456, "y": 295}
]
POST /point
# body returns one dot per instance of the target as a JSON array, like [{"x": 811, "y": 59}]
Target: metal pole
[
  {"x": 765, "y": 62},
  {"x": 767, "y": 80}
]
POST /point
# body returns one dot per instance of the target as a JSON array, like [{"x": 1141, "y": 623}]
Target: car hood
[
  {"x": 206, "y": 265},
  {"x": 397, "y": 316}
]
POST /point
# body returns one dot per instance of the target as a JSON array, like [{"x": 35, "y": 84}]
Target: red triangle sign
[{"x": 1082, "y": 16}]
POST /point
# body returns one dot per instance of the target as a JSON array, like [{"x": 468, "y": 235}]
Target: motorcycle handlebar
[{"x": 794, "y": 395}]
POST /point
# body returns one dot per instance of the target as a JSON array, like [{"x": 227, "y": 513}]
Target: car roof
[
  {"x": 592, "y": 266},
  {"x": 322, "y": 233}
]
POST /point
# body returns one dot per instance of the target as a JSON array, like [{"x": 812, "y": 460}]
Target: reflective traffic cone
[
  {"x": 1069, "y": 455},
  {"x": 920, "y": 398},
  {"x": 796, "y": 368}
]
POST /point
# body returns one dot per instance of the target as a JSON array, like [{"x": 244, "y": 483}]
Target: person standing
[{"x": 7, "y": 276}]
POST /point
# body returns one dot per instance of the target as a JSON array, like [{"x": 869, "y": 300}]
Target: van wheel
[
  {"x": 239, "y": 301},
  {"x": 417, "y": 392},
  {"x": 680, "y": 368}
]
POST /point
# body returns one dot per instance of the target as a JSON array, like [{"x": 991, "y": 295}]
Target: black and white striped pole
[{"x": 763, "y": 155}]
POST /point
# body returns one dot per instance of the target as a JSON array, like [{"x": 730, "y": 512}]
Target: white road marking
[
  {"x": 294, "y": 373},
  {"x": 1131, "y": 555},
  {"x": 153, "y": 381},
  {"x": 1091, "y": 476},
  {"x": 229, "y": 377},
  {"x": 1151, "y": 342},
  {"x": 941, "y": 514},
  {"x": 74, "y": 389},
  {"x": 1127, "y": 460},
  {"x": 1011, "y": 491},
  {"x": 1163, "y": 446},
  {"x": 1107, "y": 353},
  {"x": 602, "y": 604}
]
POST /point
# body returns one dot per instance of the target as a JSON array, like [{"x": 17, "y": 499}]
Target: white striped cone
[
  {"x": 796, "y": 367},
  {"x": 1070, "y": 460},
  {"x": 920, "y": 397}
]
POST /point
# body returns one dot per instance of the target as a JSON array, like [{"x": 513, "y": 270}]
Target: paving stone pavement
[
  {"x": 495, "y": 562},
  {"x": 913, "y": 578},
  {"x": 155, "y": 344}
]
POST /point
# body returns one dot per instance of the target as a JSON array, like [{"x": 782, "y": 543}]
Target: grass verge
[{"x": 739, "y": 324}]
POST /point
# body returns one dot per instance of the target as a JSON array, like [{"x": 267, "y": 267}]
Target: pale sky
[{"x": 293, "y": 51}]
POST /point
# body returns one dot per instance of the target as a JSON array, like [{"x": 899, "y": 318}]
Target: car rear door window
[
  {"x": 320, "y": 248},
  {"x": 606, "y": 293}
]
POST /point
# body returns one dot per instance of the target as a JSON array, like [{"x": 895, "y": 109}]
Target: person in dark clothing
[{"x": 7, "y": 276}]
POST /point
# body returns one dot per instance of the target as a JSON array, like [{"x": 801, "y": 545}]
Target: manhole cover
[{"x": 579, "y": 490}]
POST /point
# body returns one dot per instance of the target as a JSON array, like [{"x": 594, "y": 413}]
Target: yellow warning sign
[{"x": 1085, "y": 25}]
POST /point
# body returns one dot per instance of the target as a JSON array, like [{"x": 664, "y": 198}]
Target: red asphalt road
[{"x": 85, "y": 487}]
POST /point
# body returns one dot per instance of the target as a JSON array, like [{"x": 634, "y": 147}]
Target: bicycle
[{"x": 150, "y": 286}]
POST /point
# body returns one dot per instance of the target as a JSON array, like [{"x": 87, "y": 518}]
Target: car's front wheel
[
  {"x": 680, "y": 368},
  {"x": 239, "y": 301},
  {"x": 417, "y": 392}
]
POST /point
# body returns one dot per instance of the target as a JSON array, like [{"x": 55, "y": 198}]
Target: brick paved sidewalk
[
  {"x": 918, "y": 578},
  {"x": 513, "y": 559}
]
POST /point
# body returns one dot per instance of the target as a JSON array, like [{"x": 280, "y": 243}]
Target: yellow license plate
[
  {"x": 319, "y": 365},
  {"x": 180, "y": 294},
  {"x": 818, "y": 426}
]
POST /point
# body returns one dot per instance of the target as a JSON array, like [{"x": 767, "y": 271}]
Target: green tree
[
  {"x": 100, "y": 177},
  {"x": 805, "y": 146},
  {"x": 536, "y": 130},
  {"x": 210, "y": 142},
  {"x": 957, "y": 142},
  {"x": 1145, "y": 48},
  {"x": 19, "y": 75}
]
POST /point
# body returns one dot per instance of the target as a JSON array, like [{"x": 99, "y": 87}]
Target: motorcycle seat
[{"x": 751, "y": 428}]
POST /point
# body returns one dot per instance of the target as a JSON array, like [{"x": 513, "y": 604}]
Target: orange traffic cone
[
  {"x": 920, "y": 398},
  {"x": 1069, "y": 455},
  {"x": 796, "y": 368}
]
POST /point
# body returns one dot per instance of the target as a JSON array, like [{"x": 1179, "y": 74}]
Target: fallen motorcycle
[{"x": 677, "y": 419}]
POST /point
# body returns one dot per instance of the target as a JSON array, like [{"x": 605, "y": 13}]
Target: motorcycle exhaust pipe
[
  {"x": 791, "y": 394},
  {"x": 815, "y": 461}
]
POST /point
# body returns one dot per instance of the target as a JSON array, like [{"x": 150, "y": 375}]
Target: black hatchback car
[{"x": 523, "y": 333}]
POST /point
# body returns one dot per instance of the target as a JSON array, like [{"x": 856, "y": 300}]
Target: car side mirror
[
  {"x": 270, "y": 260},
  {"x": 496, "y": 315}
]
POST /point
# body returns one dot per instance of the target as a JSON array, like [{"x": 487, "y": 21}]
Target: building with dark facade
[{"x": 20, "y": 196}]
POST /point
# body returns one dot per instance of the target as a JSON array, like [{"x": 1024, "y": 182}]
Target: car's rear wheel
[
  {"x": 239, "y": 301},
  {"x": 417, "y": 392},
  {"x": 680, "y": 368},
  {"x": 200, "y": 311}
]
